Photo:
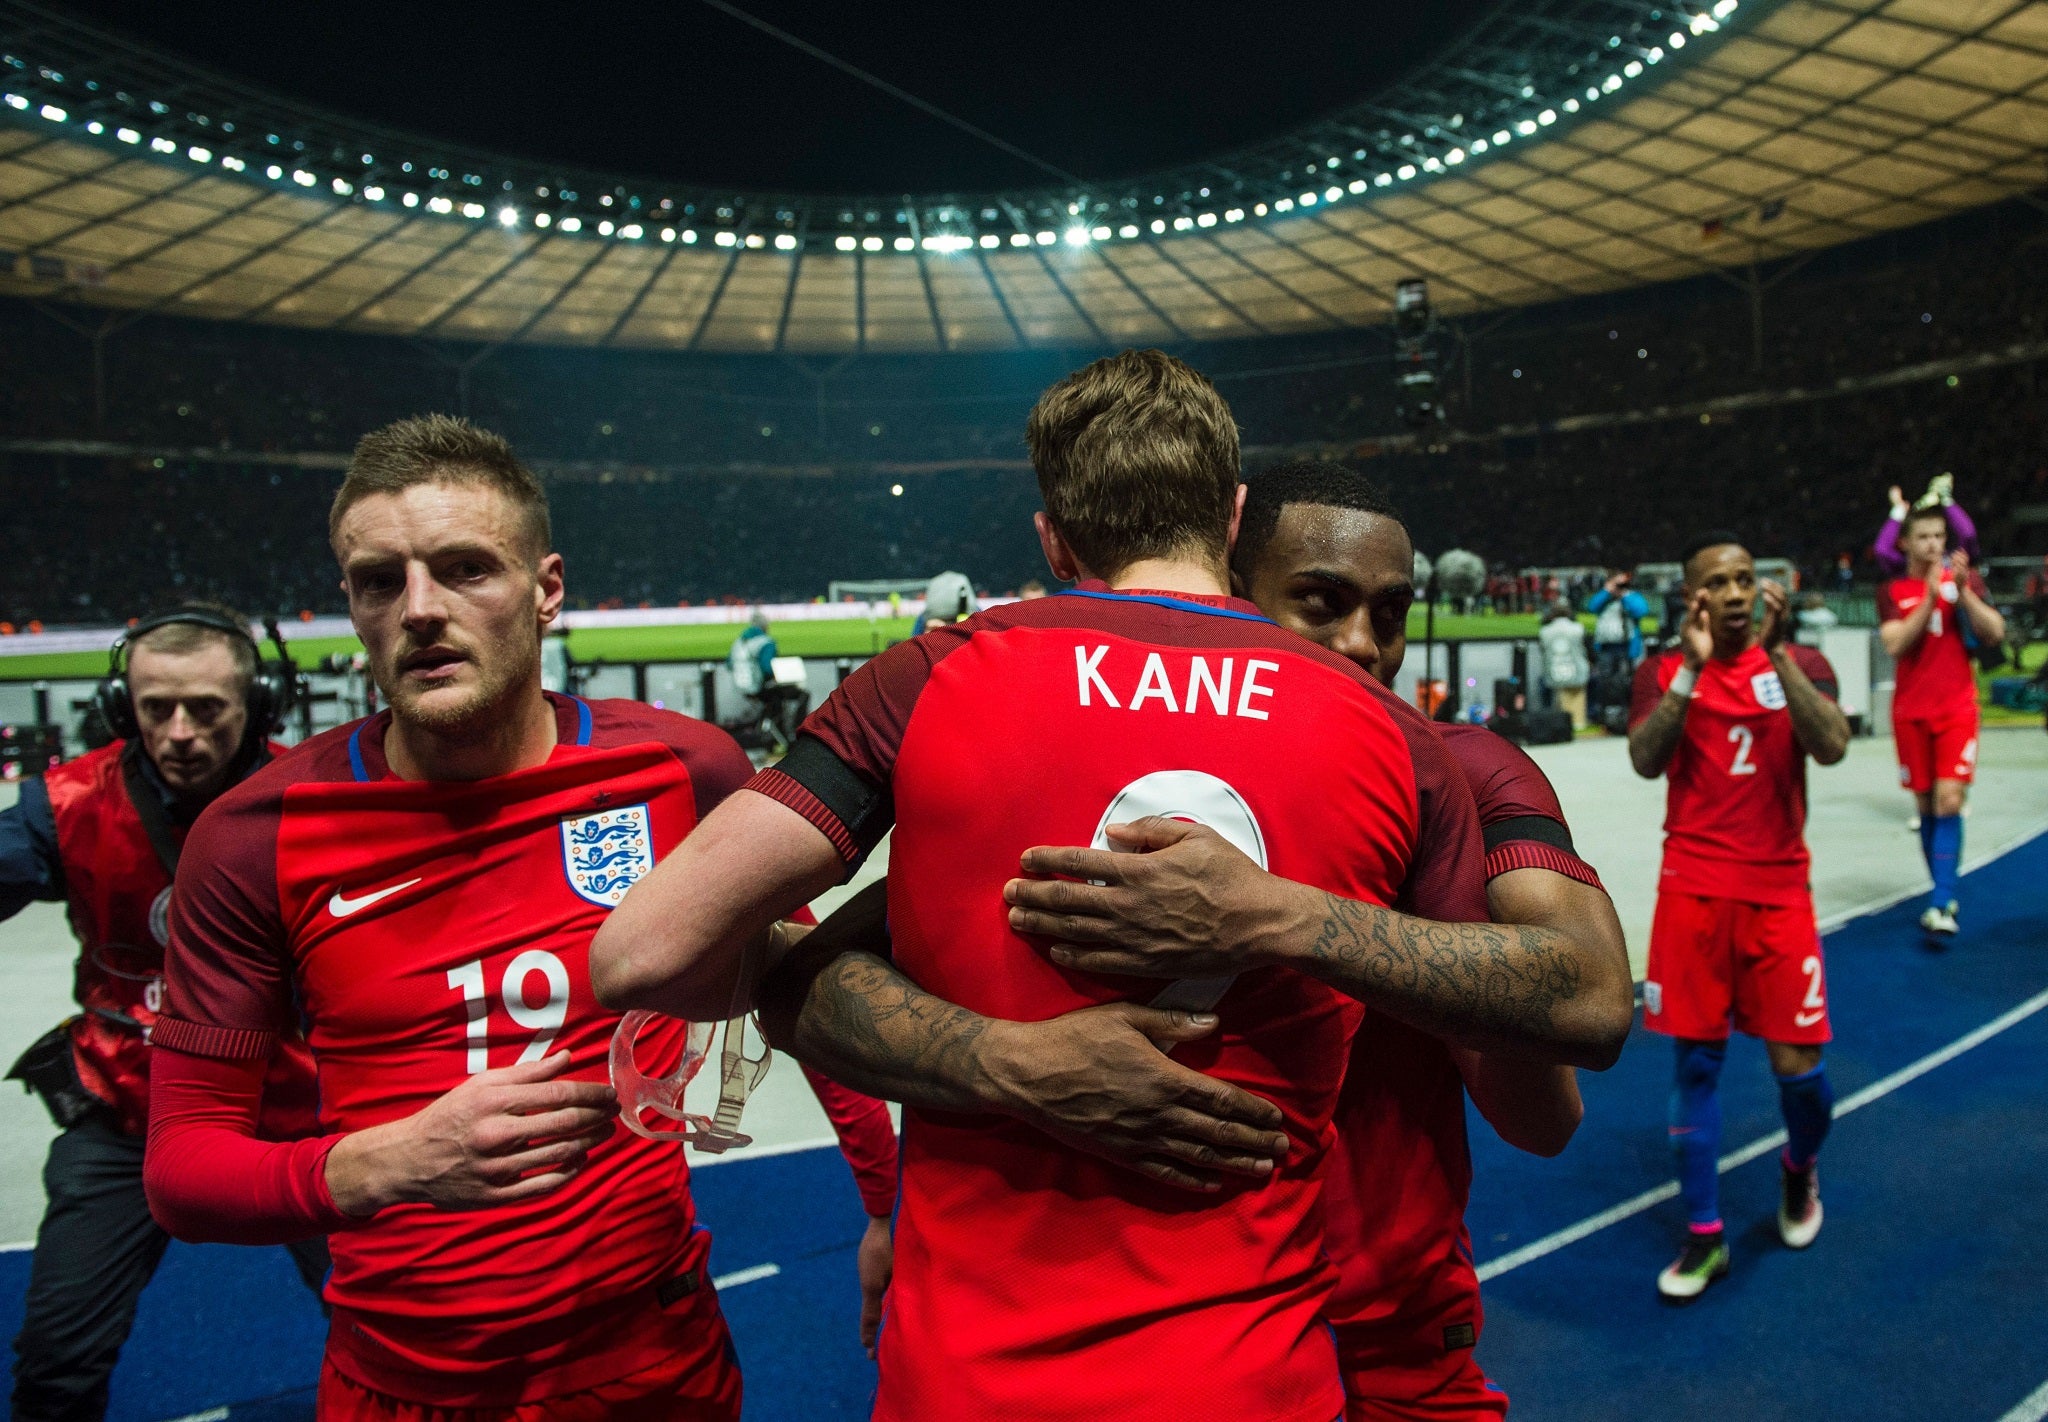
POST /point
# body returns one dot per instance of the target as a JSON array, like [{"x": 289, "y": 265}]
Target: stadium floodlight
[
  {"x": 95, "y": 128},
  {"x": 1479, "y": 146},
  {"x": 1547, "y": 117},
  {"x": 903, "y": 244},
  {"x": 1127, "y": 231},
  {"x": 784, "y": 242},
  {"x": 162, "y": 145},
  {"x": 273, "y": 172},
  {"x": 1724, "y": 9},
  {"x": 303, "y": 178},
  {"x": 896, "y": 490},
  {"x": 1331, "y": 194},
  {"x": 1020, "y": 239},
  {"x": 1206, "y": 219},
  {"x": 474, "y": 211},
  {"x": 1675, "y": 40},
  {"x": 668, "y": 234},
  {"x": 989, "y": 239},
  {"x": 1455, "y": 157},
  {"x": 1258, "y": 209},
  {"x": 1571, "y": 106},
  {"x": 1655, "y": 54},
  {"x": 1611, "y": 83},
  {"x": 754, "y": 240},
  {"x": 632, "y": 232},
  {"x": 604, "y": 228},
  {"x": 16, "y": 101},
  {"x": 343, "y": 187},
  {"x": 542, "y": 219},
  {"x": 200, "y": 155},
  {"x": 1358, "y": 185},
  {"x": 1432, "y": 164},
  {"x": 871, "y": 244},
  {"x": 411, "y": 199},
  {"x": 845, "y": 244},
  {"x": 1307, "y": 199},
  {"x": 508, "y": 217},
  {"x": 572, "y": 224},
  {"x": 1405, "y": 172},
  {"x": 1158, "y": 224},
  {"x": 1182, "y": 224},
  {"x": 1526, "y": 127},
  {"x": 1099, "y": 234},
  {"x": 723, "y": 239},
  {"x": 1383, "y": 180},
  {"x": 235, "y": 165},
  {"x": 53, "y": 113},
  {"x": 1632, "y": 68},
  {"x": 689, "y": 236},
  {"x": 1077, "y": 236}
]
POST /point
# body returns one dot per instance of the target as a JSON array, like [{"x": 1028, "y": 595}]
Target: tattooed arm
[
  {"x": 1098, "y": 1079},
  {"x": 1193, "y": 906}
]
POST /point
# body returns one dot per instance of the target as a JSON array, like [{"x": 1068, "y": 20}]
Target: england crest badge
[
  {"x": 1770, "y": 692},
  {"x": 604, "y": 854}
]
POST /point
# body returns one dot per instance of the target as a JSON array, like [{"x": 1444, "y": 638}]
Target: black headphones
[{"x": 273, "y": 690}]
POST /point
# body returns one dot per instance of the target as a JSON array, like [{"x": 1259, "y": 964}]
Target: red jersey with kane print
[
  {"x": 1033, "y": 1282},
  {"x": 429, "y": 931},
  {"x": 1396, "y": 1187},
  {"x": 1735, "y": 814},
  {"x": 1934, "y": 679}
]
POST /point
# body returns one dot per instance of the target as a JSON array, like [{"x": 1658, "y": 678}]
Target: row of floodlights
[{"x": 1078, "y": 235}]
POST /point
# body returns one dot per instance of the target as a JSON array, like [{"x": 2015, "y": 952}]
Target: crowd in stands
[{"x": 687, "y": 477}]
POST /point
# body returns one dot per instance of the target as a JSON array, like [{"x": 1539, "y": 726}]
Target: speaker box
[{"x": 1546, "y": 726}]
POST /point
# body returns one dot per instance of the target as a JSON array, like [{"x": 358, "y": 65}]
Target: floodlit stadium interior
[{"x": 1570, "y": 283}]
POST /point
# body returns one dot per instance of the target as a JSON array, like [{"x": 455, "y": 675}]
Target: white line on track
[
  {"x": 212, "y": 1414},
  {"x": 746, "y": 1276},
  {"x": 1877, "y": 1090},
  {"x": 2033, "y": 1409},
  {"x": 1884, "y": 901},
  {"x": 699, "y": 1161}
]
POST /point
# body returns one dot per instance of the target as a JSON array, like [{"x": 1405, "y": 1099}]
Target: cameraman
[
  {"x": 192, "y": 706},
  {"x": 1618, "y": 612}
]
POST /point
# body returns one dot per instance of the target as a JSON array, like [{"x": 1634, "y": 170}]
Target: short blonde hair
[
  {"x": 432, "y": 449},
  {"x": 1137, "y": 457}
]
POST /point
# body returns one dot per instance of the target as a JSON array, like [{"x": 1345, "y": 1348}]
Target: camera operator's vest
[{"x": 119, "y": 901}]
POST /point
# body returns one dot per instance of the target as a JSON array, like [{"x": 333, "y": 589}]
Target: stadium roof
[{"x": 1565, "y": 147}]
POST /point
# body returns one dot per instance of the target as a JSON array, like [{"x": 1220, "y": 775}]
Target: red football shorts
[
  {"x": 1936, "y": 750},
  {"x": 1447, "y": 1388},
  {"x": 1717, "y": 960},
  {"x": 667, "y": 1390}
]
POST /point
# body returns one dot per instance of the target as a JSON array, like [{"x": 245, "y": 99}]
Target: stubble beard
[{"x": 473, "y": 716}]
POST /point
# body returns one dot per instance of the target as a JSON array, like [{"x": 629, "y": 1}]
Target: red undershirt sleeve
[
  {"x": 228, "y": 996},
  {"x": 209, "y": 1180},
  {"x": 867, "y": 1138}
]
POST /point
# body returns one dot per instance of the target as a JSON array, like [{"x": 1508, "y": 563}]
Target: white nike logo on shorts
[
  {"x": 1799, "y": 1019},
  {"x": 342, "y": 908}
]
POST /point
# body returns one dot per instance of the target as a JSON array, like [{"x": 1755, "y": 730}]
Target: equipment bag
[{"x": 47, "y": 1069}]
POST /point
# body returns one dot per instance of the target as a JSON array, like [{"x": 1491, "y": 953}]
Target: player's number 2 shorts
[
  {"x": 1716, "y": 962},
  {"x": 1935, "y": 750}
]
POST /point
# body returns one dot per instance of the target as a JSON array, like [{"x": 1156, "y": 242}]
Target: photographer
[
  {"x": 191, "y": 704},
  {"x": 1618, "y": 612}
]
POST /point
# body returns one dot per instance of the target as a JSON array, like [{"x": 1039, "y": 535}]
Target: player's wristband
[{"x": 1683, "y": 683}]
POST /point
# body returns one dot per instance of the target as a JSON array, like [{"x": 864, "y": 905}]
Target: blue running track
[{"x": 1926, "y": 1296}]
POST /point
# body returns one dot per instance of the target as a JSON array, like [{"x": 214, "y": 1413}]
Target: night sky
[{"x": 678, "y": 90}]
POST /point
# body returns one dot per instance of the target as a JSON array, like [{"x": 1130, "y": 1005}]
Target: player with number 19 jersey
[
  {"x": 1734, "y": 935},
  {"x": 429, "y": 931}
]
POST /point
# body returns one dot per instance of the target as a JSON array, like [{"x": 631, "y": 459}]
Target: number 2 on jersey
[
  {"x": 543, "y": 1021},
  {"x": 1744, "y": 738}
]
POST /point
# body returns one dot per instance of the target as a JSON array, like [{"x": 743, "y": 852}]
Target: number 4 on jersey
[{"x": 543, "y": 1021}]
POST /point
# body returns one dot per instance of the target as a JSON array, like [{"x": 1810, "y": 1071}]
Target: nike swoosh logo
[
  {"x": 342, "y": 908},
  {"x": 1799, "y": 1019}
]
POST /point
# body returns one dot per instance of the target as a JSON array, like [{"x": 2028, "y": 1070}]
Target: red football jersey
[
  {"x": 1033, "y": 1281},
  {"x": 428, "y": 931},
  {"x": 1933, "y": 679},
  {"x": 1735, "y": 814},
  {"x": 1396, "y": 1187}
]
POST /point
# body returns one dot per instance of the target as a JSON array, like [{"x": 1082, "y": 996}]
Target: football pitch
[{"x": 843, "y": 637}]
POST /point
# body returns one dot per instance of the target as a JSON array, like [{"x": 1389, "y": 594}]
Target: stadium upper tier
[{"x": 1563, "y": 148}]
